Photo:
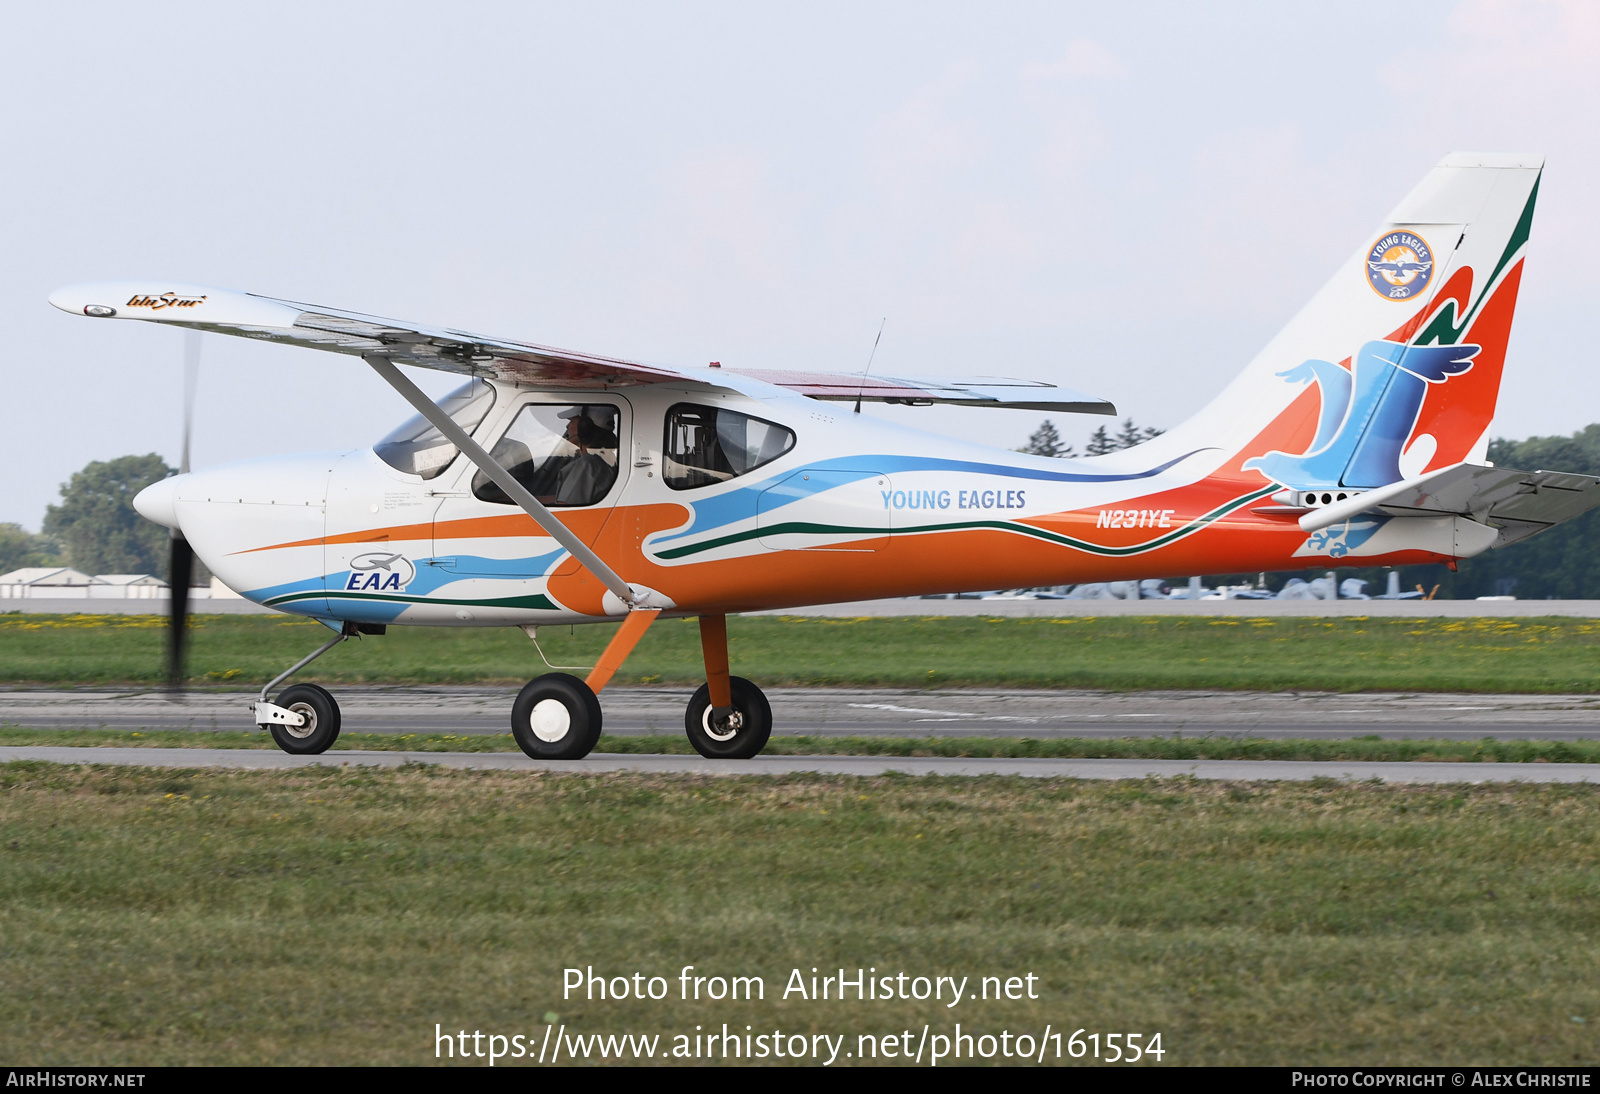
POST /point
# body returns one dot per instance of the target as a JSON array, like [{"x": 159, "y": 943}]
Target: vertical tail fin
[{"x": 1394, "y": 367}]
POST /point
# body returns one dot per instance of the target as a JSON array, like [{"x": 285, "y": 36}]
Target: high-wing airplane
[{"x": 560, "y": 487}]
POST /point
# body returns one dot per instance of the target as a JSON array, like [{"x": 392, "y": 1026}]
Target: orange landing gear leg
[
  {"x": 714, "y": 645},
  {"x": 729, "y": 718},
  {"x": 616, "y": 652}
]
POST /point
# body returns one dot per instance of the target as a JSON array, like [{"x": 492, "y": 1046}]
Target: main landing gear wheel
[
  {"x": 556, "y": 717},
  {"x": 321, "y": 727},
  {"x": 742, "y": 734}
]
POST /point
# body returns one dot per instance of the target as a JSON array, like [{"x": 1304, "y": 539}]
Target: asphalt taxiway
[
  {"x": 632, "y": 711},
  {"x": 601, "y": 763}
]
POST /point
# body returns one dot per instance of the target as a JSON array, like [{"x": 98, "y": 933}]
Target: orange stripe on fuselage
[
  {"x": 509, "y": 525},
  {"x": 373, "y": 535}
]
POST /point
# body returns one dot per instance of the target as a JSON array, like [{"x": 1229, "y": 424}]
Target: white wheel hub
[
  {"x": 307, "y": 727},
  {"x": 551, "y": 720},
  {"x": 729, "y": 730}
]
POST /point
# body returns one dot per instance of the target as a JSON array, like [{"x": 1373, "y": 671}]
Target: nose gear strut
[{"x": 268, "y": 713}]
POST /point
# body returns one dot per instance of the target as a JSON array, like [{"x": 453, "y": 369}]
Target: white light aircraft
[{"x": 560, "y": 487}]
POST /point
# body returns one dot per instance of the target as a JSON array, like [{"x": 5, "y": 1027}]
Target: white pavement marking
[
  {"x": 942, "y": 715},
  {"x": 1240, "y": 770}
]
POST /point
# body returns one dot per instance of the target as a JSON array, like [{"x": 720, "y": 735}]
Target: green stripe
[
  {"x": 796, "y": 527},
  {"x": 1443, "y": 329},
  {"x": 1117, "y": 552},
  {"x": 1519, "y": 236},
  {"x": 538, "y": 601},
  {"x": 775, "y": 530}
]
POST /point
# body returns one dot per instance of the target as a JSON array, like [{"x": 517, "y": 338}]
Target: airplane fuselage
[{"x": 856, "y": 508}]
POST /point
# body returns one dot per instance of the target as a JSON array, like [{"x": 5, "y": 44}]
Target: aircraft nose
[{"x": 159, "y": 502}]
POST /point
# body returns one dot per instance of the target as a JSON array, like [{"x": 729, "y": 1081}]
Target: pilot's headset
[{"x": 594, "y": 427}]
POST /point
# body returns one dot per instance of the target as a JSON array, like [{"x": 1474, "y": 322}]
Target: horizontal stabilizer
[{"x": 1517, "y": 503}]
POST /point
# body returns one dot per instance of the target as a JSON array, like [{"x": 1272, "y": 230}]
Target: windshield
[{"x": 419, "y": 449}]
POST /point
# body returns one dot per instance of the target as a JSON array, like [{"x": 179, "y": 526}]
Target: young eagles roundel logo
[{"x": 1399, "y": 266}]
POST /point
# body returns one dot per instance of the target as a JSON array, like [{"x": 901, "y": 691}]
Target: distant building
[
  {"x": 55, "y": 582},
  {"x": 131, "y": 586},
  {"x": 65, "y": 583}
]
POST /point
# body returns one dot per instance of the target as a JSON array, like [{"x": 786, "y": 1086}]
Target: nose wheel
[
  {"x": 556, "y": 717},
  {"x": 304, "y": 721},
  {"x": 736, "y": 733},
  {"x": 319, "y": 725}
]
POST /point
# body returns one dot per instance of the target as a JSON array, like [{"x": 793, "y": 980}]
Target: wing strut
[{"x": 503, "y": 478}]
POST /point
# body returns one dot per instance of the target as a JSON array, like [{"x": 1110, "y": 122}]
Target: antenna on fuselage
[{"x": 863, "y": 388}]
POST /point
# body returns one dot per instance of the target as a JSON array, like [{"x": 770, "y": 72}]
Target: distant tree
[
  {"x": 20, "y": 547},
  {"x": 1561, "y": 563},
  {"x": 99, "y": 530},
  {"x": 1130, "y": 434},
  {"x": 1046, "y": 441}
]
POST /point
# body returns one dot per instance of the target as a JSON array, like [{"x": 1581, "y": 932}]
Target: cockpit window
[
  {"x": 707, "y": 444},
  {"x": 417, "y": 448},
  {"x": 564, "y": 455}
]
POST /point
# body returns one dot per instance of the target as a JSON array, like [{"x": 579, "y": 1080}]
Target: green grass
[
  {"x": 1144, "y": 748},
  {"x": 1345, "y": 654},
  {"x": 334, "y": 916}
]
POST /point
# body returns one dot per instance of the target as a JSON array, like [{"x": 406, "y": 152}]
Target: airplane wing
[
  {"x": 224, "y": 311},
  {"x": 1518, "y": 503},
  {"x": 980, "y": 391}
]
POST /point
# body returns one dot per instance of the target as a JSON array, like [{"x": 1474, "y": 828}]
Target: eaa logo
[
  {"x": 379, "y": 572},
  {"x": 1399, "y": 266}
]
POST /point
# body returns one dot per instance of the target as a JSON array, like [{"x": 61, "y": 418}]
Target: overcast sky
[{"x": 1125, "y": 199}]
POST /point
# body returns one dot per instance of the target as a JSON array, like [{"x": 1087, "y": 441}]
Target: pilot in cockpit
[{"x": 587, "y": 476}]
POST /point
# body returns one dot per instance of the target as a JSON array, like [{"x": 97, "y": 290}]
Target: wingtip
[
  {"x": 81, "y": 300},
  {"x": 171, "y": 302}
]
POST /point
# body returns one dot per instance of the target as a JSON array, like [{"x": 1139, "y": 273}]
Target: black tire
[
  {"x": 744, "y": 742},
  {"x": 565, "y": 732},
  {"x": 322, "y": 721}
]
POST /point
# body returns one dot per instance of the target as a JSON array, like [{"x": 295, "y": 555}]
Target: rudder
[{"x": 1404, "y": 347}]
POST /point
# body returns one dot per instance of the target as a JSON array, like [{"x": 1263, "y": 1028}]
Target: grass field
[
  {"x": 1170, "y": 748},
  {"x": 1345, "y": 654},
  {"x": 334, "y": 916}
]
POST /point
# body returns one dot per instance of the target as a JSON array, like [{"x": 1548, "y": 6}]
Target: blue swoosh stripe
[{"x": 716, "y": 512}]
